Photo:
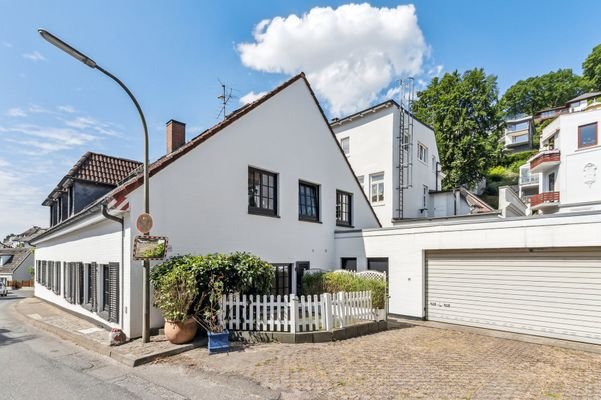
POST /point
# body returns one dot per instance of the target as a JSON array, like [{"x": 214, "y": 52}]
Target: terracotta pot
[{"x": 180, "y": 332}]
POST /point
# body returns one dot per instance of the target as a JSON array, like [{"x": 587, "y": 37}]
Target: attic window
[{"x": 345, "y": 143}]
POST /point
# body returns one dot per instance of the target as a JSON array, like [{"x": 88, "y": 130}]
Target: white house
[
  {"x": 564, "y": 175},
  {"x": 15, "y": 264},
  {"x": 270, "y": 179},
  {"x": 400, "y": 173}
]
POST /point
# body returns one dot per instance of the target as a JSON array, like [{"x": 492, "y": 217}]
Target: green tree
[
  {"x": 591, "y": 68},
  {"x": 539, "y": 92},
  {"x": 463, "y": 109}
]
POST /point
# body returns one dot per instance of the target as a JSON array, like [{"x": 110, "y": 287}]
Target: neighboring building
[
  {"x": 270, "y": 179},
  {"x": 519, "y": 133},
  {"x": 564, "y": 175},
  {"x": 22, "y": 239},
  {"x": 549, "y": 113},
  {"x": 456, "y": 202},
  {"x": 402, "y": 179},
  {"x": 93, "y": 176},
  {"x": 528, "y": 183},
  {"x": 15, "y": 264}
]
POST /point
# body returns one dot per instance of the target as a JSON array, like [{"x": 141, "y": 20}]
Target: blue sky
[{"x": 171, "y": 54}]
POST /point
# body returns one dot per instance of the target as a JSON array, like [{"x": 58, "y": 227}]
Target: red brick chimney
[{"x": 176, "y": 135}]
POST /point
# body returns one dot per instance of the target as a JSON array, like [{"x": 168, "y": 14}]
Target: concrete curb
[{"x": 112, "y": 352}]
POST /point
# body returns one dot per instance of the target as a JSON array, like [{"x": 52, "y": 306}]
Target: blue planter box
[{"x": 219, "y": 342}]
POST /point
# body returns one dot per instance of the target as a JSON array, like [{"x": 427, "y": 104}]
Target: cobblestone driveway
[{"x": 414, "y": 363}]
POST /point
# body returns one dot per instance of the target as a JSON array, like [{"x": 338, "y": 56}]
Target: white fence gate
[{"x": 297, "y": 314}]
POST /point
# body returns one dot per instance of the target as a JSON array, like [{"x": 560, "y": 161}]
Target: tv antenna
[{"x": 225, "y": 97}]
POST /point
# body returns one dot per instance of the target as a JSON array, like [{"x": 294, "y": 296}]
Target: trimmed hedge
[{"x": 332, "y": 282}]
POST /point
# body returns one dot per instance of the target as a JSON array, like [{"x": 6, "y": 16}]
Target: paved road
[{"x": 34, "y": 364}]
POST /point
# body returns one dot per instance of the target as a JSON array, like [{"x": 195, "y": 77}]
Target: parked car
[{"x": 3, "y": 289}]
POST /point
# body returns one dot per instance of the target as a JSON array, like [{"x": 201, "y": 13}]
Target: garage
[{"x": 546, "y": 292}]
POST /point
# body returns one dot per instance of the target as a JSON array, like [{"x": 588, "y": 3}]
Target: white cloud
[
  {"x": 16, "y": 112},
  {"x": 350, "y": 54},
  {"x": 45, "y": 139},
  {"x": 34, "y": 56},
  {"x": 250, "y": 97},
  {"x": 66, "y": 108},
  {"x": 7, "y": 44},
  {"x": 89, "y": 123},
  {"x": 22, "y": 199}
]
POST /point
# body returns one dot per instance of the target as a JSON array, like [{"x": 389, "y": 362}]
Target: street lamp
[{"x": 92, "y": 64}]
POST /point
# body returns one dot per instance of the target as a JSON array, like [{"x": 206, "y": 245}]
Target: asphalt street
[{"x": 37, "y": 365}]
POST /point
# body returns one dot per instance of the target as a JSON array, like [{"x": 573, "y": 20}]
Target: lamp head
[{"x": 49, "y": 37}]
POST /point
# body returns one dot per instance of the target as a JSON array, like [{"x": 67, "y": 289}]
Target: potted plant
[
  {"x": 175, "y": 293},
  {"x": 208, "y": 316}
]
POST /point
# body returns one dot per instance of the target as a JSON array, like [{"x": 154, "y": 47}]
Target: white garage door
[{"x": 554, "y": 293}]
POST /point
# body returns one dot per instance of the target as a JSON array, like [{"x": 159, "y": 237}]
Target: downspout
[{"x": 108, "y": 216}]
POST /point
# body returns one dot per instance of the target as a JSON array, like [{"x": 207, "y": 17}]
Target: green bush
[
  {"x": 333, "y": 282},
  {"x": 515, "y": 161},
  {"x": 175, "y": 291},
  {"x": 237, "y": 272}
]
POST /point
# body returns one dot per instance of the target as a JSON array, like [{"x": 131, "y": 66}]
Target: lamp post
[{"x": 92, "y": 64}]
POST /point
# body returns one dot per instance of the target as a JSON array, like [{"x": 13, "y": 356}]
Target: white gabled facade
[
  {"x": 371, "y": 138},
  {"x": 569, "y": 163},
  {"x": 200, "y": 200}
]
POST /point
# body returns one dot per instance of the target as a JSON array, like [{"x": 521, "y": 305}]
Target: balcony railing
[
  {"x": 529, "y": 179},
  {"x": 544, "y": 157},
  {"x": 545, "y": 197}
]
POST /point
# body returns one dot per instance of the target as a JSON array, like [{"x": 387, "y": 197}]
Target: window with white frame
[
  {"x": 361, "y": 180},
  {"x": 376, "y": 184},
  {"x": 433, "y": 164},
  {"x": 345, "y": 143},
  {"x": 422, "y": 152}
]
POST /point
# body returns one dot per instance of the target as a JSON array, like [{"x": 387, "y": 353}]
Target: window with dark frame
[
  {"x": 282, "y": 279},
  {"x": 308, "y": 201},
  {"x": 262, "y": 192},
  {"x": 344, "y": 206},
  {"x": 587, "y": 135}
]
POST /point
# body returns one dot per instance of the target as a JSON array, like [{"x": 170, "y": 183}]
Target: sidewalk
[{"x": 86, "y": 334}]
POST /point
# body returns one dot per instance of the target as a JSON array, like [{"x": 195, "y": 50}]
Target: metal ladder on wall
[{"x": 405, "y": 141}]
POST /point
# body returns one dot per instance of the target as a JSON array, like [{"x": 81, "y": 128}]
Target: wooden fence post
[
  {"x": 293, "y": 313},
  {"x": 326, "y": 302}
]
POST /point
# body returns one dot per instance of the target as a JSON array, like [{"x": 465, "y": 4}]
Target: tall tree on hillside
[
  {"x": 464, "y": 112},
  {"x": 591, "y": 68},
  {"x": 539, "y": 92}
]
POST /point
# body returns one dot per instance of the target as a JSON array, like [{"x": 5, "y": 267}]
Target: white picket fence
[{"x": 297, "y": 314}]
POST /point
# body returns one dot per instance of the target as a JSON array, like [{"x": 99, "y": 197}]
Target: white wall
[
  {"x": 374, "y": 149},
  {"x": 371, "y": 152},
  {"x": 423, "y": 173},
  {"x": 94, "y": 239},
  {"x": 200, "y": 201},
  {"x": 405, "y": 245},
  {"x": 578, "y": 184}
]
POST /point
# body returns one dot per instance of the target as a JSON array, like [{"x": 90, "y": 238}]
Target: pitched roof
[
  {"x": 96, "y": 168},
  {"x": 167, "y": 159},
  {"x": 136, "y": 178},
  {"x": 373, "y": 109},
  {"x": 584, "y": 96},
  {"x": 18, "y": 255}
]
